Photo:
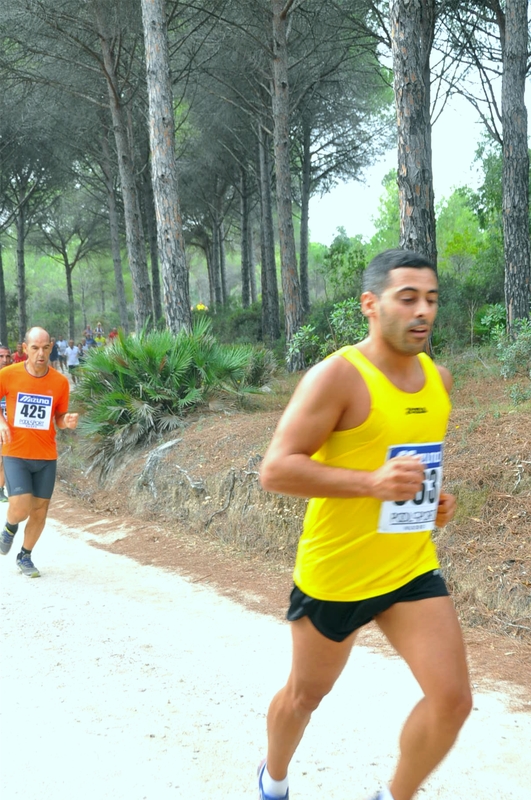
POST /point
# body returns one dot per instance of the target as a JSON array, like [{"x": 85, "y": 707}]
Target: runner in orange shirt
[{"x": 36, "y": 404}]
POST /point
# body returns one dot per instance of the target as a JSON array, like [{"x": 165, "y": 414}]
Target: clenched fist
[
  {"x": 400, "y": 478},
  {"x": 71, "y": 420}
]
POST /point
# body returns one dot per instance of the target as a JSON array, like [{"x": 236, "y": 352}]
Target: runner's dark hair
[{"x": 376, "y": 274}]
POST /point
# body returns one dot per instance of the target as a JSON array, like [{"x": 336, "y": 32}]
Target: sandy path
[{"x": 127, "y": 682}]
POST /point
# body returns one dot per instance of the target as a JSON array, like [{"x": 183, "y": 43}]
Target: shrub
[
  {"x": 347, "y": 325},
  {"x": 137, "y": 388},
  {"x": 515, "y": 352}
]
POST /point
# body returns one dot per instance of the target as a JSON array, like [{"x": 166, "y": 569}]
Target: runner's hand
[
  {"x": 400, "y": 478},
  {"x": 446, "y": 510},
  {"x": 71, "y": 420},
  {"x": 5, "y": 434}
]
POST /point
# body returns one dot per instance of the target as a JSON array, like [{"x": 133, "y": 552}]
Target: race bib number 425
[
  {"x": 418, "y": 514},
  {"x": 33, "y": 411}
]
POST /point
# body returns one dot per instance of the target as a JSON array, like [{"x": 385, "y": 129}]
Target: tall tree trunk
[
  {"x": 305, "y": 215},
  {"x": 70, "y": 295},
  {"x": 288, "y": 256},
  {"x": 114, "y": 229},
  {"x": 151, "y": 226},
  {"x": 252, "y": 266},
  {"x": 21, "y": 271},
  {"x": 244, "y": 231},
  {"x": 210, "y": 270},
  {"x": 412, "y": 30},
  {"x": 216, "y": 273},
  {"x": 134, "y": 233},
  {"x": 515, "y": 209},
  {"x": 270, "y": 300},
  {"x": 164, "y": 168},
  {"x": 223, "y": 264},
  {"x": 3, "y": 303}
]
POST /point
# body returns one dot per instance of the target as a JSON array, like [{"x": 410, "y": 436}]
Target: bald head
[
  {"x": 36, "y": 333},
  {"x": 37, "y": 347}
]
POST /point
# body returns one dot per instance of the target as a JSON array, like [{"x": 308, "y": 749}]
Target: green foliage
[
  {"x": 515, "y": 352},
  {"x": 387, "y": 221},
  {"x": 519, "y": 394},
  {"x": 236, "y": 324},
  {"x": 343, "y": 264},
  {"x": 347, "y": 325},
  {"x": 137, "y": 388},
  {"x": 491, "y": 322}
]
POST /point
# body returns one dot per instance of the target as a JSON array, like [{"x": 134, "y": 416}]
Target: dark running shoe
[
  {"x": 27, "y": 567},
  {"x": 3, "y": 496},
  {"x": 261, "y": 794},
  {"x": 6, "y": 540}
]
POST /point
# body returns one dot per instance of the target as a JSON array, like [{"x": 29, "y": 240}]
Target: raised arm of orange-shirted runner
[{"x": 319, "y": 402}]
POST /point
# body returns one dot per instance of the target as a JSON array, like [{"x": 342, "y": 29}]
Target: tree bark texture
[
  {"x": 151, "y": 228},
  {"x": 21, "y": 271},
  {"x": 223, "y": 264},
  {"x": 164, "y": 168},
  {"x": 70, "y": 295},
  {"x": 281, "y": 114},
  {"x": 244, "y": 234},
  {"x": 252, "y": 266},
  {"x": 412, "y": 31},
  {"x": 133, "y": 219},
  {"x": 515, "y": 207},
  {"x": 305, "y": 214},
  {"x": 3, "y": 303},
  {"x": 270, "y": 299},
  {"x": 216, "y": 271},
  {"x": 114, "y": 230}
]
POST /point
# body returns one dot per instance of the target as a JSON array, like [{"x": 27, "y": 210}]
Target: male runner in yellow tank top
[{"x": 363, "y": 438}]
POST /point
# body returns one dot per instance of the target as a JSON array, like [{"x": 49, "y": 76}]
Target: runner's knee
[{"x": 453, "y": 704}]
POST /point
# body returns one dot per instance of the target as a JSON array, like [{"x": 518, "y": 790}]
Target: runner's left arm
[{"x": 67, "y": 420}]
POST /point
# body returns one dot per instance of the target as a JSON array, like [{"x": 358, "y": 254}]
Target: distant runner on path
[
  {"x": 363, "y": 438},
  {"x": 36, "y": 403}
]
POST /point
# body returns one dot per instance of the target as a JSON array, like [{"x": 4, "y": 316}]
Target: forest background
[{"x": 160, "y": 157}]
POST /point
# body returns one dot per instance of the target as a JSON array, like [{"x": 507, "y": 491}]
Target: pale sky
[{"x": 353, "y": 205}]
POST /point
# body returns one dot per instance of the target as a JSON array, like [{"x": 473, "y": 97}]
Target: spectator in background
[
  {"x": 100, "y": 340},
  {"x": 54, "y": 354},
  {"x": 98, "y": 330},
  {"x": 87, "y": 333},
  {"x": 72, "y": 359},
  {"x": 113, "y": 334},
  {"x": 62, "y": 344},
  {"x": 20, "y": 355}
]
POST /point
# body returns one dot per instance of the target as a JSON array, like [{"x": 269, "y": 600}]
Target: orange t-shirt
[{"x": 32, "y": 404}]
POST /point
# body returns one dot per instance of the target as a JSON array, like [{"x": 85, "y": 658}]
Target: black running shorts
[
  {"x": 337, "y": 620},
  {"x": 30, "y": 476}
]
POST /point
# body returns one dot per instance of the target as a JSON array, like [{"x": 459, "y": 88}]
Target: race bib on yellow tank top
[
  {"x": 33, "y": 411},
  {"x": 418, "y": 514}
]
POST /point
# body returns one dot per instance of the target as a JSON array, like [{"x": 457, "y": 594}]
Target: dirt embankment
[{"x": 200, "y": 485}]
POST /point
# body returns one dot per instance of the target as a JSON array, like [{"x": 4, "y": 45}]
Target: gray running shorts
[{"x": 30, "y": 476}]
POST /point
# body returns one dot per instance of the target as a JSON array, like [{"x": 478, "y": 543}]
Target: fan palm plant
[{"x": 139, "y": 387}]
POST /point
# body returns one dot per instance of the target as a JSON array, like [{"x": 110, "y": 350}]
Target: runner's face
[
  {"x": 405, "y": 312},
  {"x": 5, "y": 358},
  {"x": 38, "y": 351}
]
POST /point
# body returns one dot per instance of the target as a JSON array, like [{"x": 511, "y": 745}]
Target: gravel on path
[{"x": 128, "y": 682}]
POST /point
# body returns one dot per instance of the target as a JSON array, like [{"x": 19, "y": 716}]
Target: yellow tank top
[{"x": 352, "y": 549}]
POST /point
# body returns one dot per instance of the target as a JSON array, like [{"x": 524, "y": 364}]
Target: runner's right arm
[{"x": 322, "y": 398}]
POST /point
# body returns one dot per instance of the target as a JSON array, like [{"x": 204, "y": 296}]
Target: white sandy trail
[{"x": 128, "y": 682}]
